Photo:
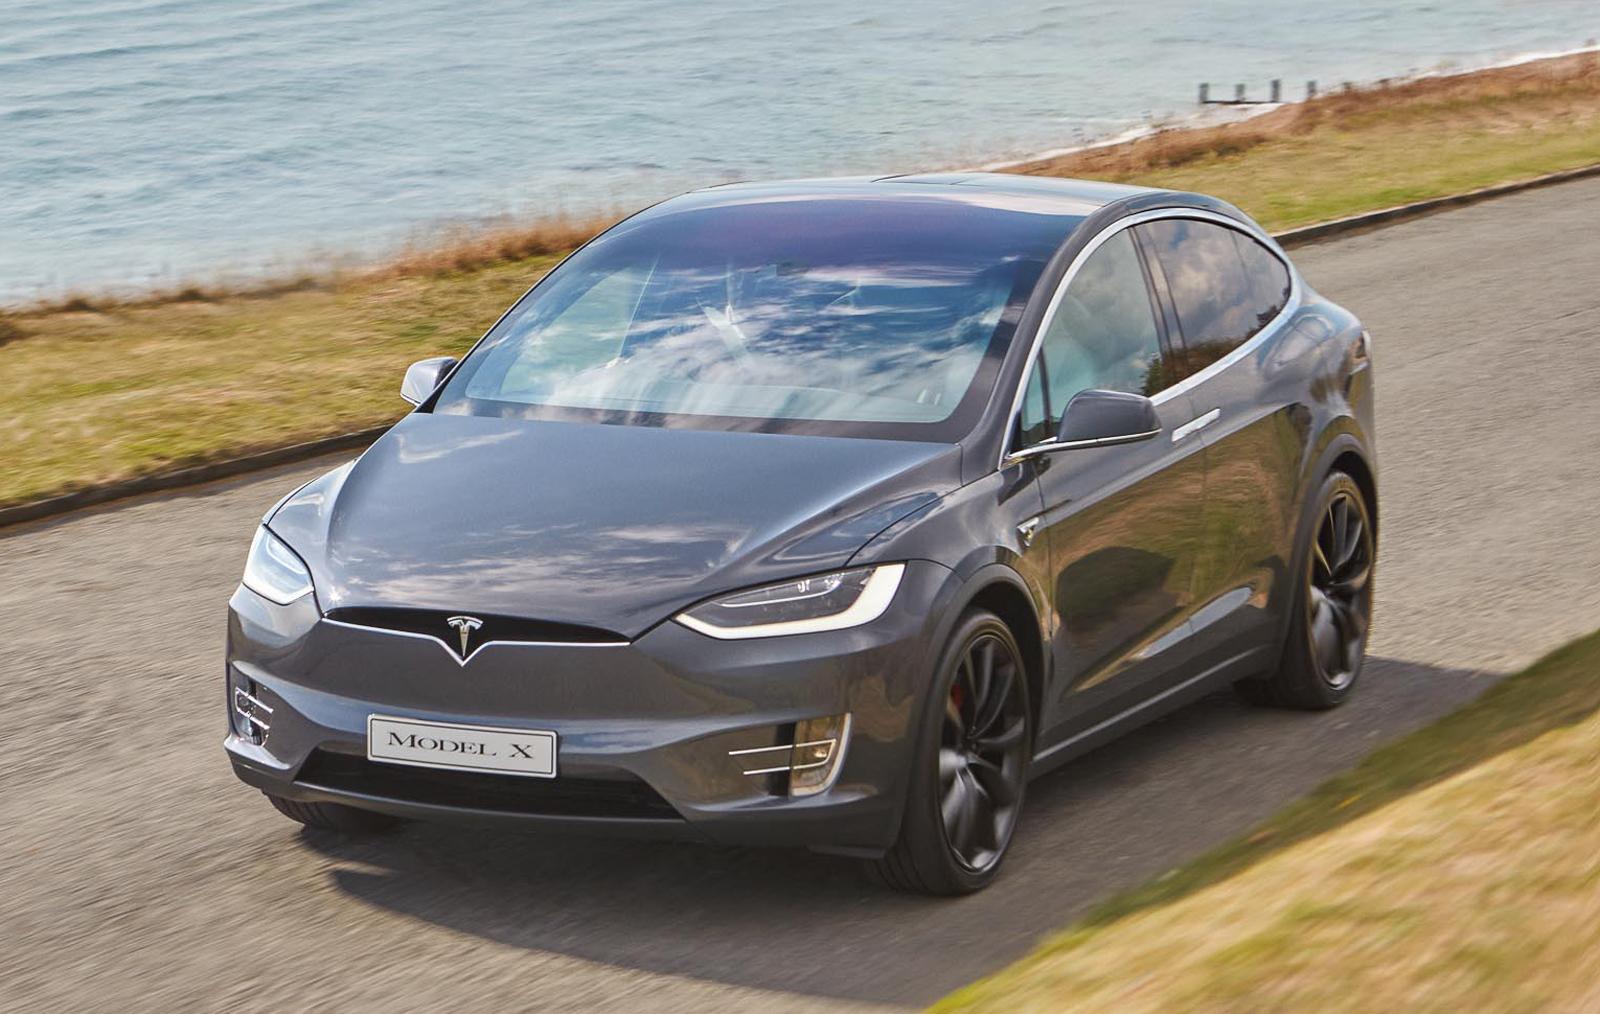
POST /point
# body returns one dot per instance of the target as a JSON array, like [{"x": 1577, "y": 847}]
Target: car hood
[{"x": 610, "y": 527}]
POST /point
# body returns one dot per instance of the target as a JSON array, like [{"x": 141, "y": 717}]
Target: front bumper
[{"x": 646, "y": 730}]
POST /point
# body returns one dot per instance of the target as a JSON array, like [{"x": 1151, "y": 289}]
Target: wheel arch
[
  {"x": 1355, "y": 465},
  {"x": 1341, "y": 447},
  {"x": 1001, "y": 590},
  {"x": 1343, "y": 451}
]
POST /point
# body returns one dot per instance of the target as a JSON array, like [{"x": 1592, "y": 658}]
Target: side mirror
[
  {"x": 1099, "y": 418},
  {"x": 422, "y": 378}
]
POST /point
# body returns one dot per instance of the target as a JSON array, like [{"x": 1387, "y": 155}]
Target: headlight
[
  {"x": 273, "y": 571},
  {"x": 845, "y": 598}
]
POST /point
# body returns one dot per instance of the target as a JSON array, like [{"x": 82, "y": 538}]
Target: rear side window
[{"x": 1225, "y": 286}]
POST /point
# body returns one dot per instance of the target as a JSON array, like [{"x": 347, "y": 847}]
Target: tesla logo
[{"x": 464, "y": 626}]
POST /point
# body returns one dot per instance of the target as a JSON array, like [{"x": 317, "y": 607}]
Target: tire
[
  {"x": 969, "y": 768},
  {"x": 1331, "y": 606},
  {"x": 334, "y": 817}
]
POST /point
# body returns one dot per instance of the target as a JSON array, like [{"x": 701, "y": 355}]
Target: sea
[{"x": 150, "y": 143}]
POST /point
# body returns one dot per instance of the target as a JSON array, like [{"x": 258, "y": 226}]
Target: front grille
[
  {"x": 435, "y": 623},
  {"x": 551, "y": 797}
]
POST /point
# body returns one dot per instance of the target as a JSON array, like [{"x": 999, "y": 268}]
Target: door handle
[{"x": 1196, "y": 424}]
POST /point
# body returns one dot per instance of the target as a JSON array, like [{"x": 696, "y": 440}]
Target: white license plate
[{"x": 461, "y": 747}]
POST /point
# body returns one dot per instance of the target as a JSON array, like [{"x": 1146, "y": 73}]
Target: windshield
[{"x": 846, "y": 317}]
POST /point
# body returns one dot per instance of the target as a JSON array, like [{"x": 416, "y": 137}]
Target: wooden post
[
  {"x": 1311, "y": 90},
  {"x": 1277, "y": 90},
  {"x": 1205, "y": 92},
  {"x": 1238, "y": 93}
]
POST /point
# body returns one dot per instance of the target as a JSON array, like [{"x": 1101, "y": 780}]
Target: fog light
[
  {"x": 818, "y": 748},
  {"x": 811, "y": 761},
  {"x": 252, "y": 718}
]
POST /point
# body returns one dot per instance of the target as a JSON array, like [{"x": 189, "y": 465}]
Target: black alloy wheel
[
  {"x": 1330, "y": 612},
  {"x": 970, "y": 767},
  {"x": 1339, "y": 591},
  {"x": 981, "y": 761}
]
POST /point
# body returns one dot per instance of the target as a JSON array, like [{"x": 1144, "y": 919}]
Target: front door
[{"x": 1123, "y": 524}]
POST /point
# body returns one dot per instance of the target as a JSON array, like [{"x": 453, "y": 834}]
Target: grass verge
[
  {"x": 96, "y": 390},
  {"x": 1457, "y": 868},
  {"x": 1373, "y": 148}
]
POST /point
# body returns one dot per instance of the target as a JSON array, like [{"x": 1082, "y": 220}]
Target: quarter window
[
  {"x": 1103, "y": 335},
  {"x": 1269, "y": 279},
  {"x": 1225, "y": 286},
  {"x": 1035, "y": 420}
]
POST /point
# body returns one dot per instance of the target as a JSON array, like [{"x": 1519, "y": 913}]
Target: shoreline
[
  {"x": 466, "y": 247},
  {"x": 1203, "y": 118}
]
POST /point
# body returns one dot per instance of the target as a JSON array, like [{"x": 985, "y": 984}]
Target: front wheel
[
  {"x": 1332, "y": 606},
  {"x": 965, "y": 790}
]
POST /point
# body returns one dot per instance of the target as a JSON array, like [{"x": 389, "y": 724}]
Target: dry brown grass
[
  {"x": 456, "y": 251},
  {"x": 468, "y": 250},
  {"x": 1492, "y": 94}
]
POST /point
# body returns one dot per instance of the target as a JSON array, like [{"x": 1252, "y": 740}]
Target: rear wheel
[
  {"x": 966, "y": 787},
  {"x": 1332, "y": 608},
  {"x": 333, "y": 817}
]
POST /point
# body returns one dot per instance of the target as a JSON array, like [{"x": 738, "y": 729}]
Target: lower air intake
[{"x": 626, "y": 797}]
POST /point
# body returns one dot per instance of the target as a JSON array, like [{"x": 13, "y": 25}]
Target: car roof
[{"x": 1049, "y": 195}]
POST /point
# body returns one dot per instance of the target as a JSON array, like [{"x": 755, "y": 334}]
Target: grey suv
[{"x": 824, "y": 514}]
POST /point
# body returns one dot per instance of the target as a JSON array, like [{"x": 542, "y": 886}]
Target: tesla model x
[{"x": 824, "y": 514}]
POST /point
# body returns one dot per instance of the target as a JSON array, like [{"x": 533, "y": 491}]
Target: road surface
[{"x": 135, "y": 873}]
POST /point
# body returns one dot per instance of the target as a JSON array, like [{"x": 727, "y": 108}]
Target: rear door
[
  {"x": 1228, "y": 294},
  {"x": 1122, "y": 523}
]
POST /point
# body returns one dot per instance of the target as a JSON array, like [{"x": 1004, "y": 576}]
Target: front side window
[
  {"x": 851, "y": 318},
  {"x": 1225, "y": 286},
  {"x": 1103, "y": 336}
]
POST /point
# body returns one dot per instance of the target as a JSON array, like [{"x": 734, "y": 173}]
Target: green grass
[
  {"x": 92, "y": 397},
  {"x": 101, "y": 391},
  {"x": 1318, "y": 177},
  {"x": 1458, "y": 867}
]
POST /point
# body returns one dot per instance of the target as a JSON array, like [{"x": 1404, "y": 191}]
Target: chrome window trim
[
  {"x": 1187, "y": 384},
  {"x": 1050, "y": 445}
]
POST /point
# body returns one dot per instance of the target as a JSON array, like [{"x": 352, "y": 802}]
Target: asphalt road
[{"x": 135, "y": 873}]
